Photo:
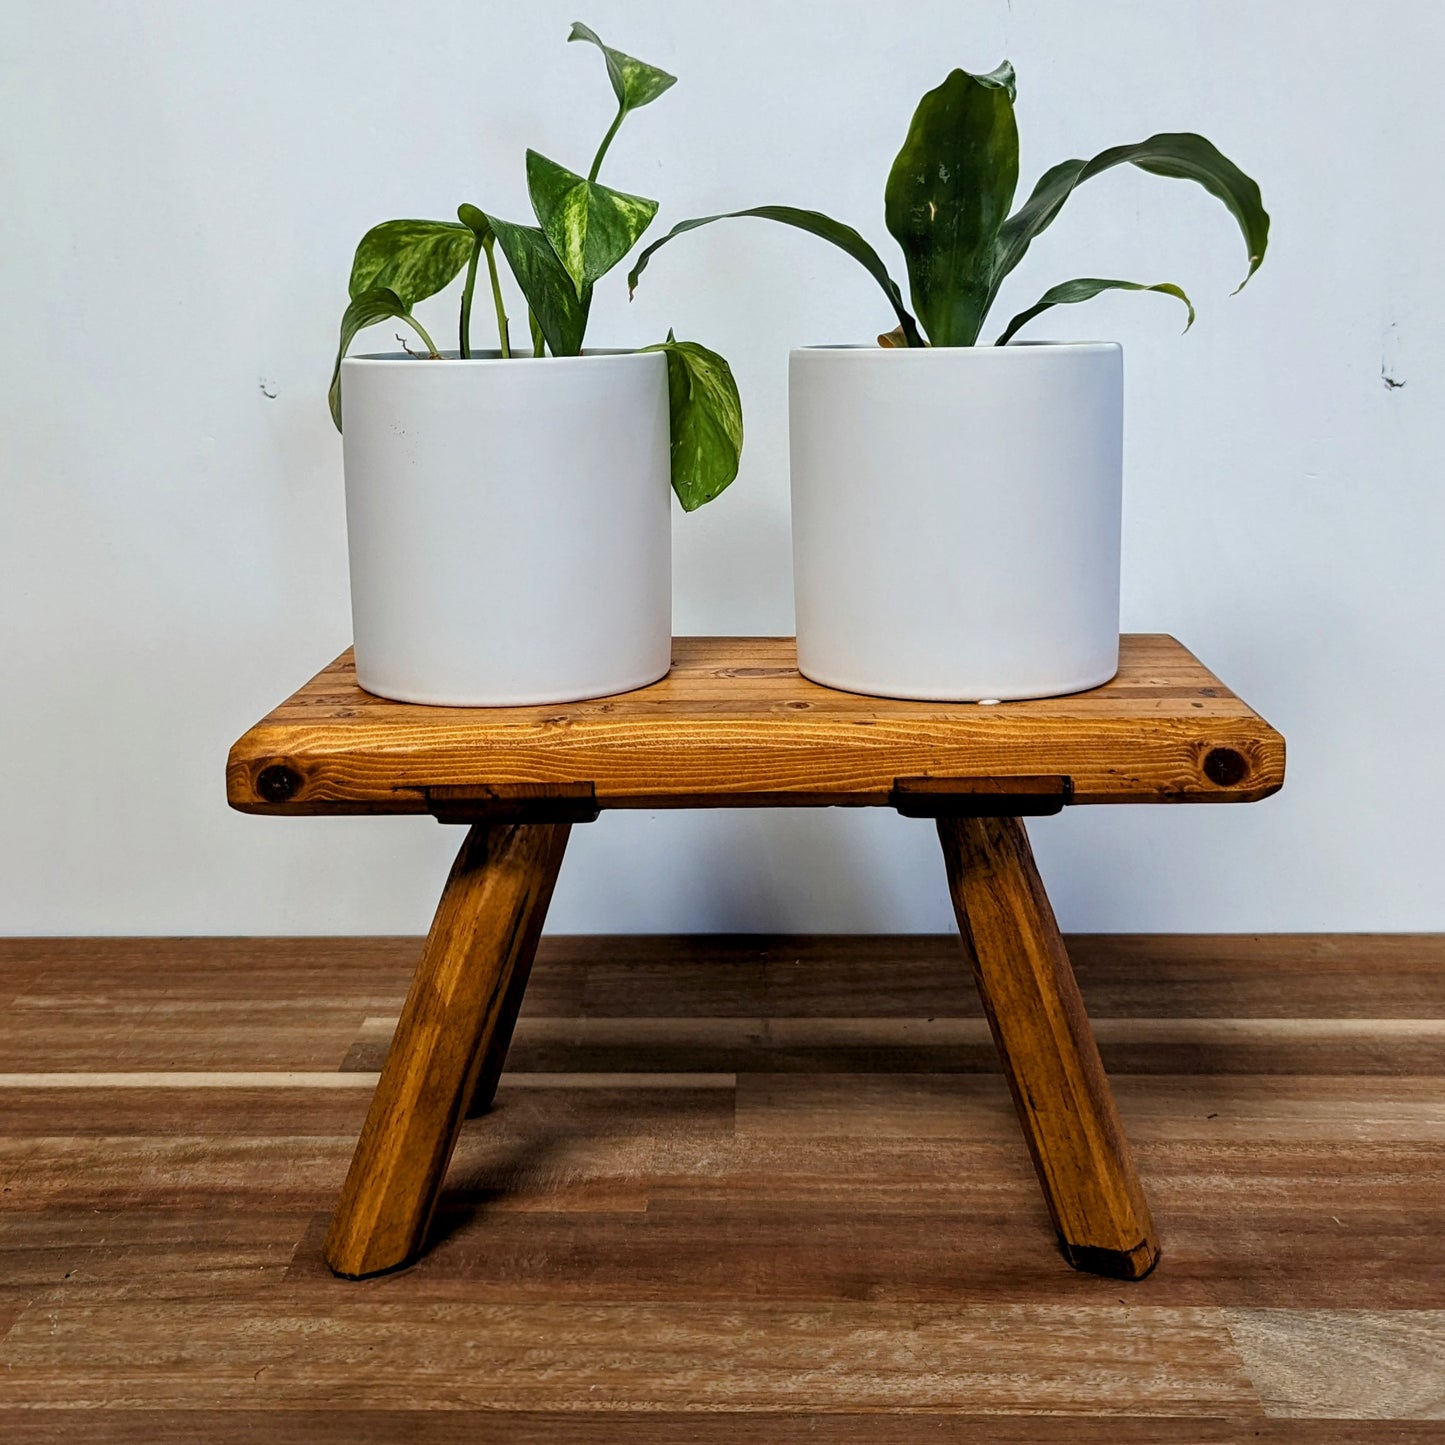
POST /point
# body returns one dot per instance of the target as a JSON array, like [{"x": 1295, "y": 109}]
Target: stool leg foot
[
  {"x": 482, "y": 937},
  {"x": 1047, "y": 1048}
]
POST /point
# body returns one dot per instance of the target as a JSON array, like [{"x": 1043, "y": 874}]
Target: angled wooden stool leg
[
  {"x": 1047, "y": 1048},
  {"x": 485, "y": 929},
  {"x": 495, "y": 1058}
]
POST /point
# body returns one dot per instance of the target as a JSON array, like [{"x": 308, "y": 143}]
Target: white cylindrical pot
[
  {"x": 509, "y": 525},
  {"x": 956, "y": 517}
]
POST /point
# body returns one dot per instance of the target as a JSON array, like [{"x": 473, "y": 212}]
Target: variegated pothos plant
[
  {"x": 947, "y": 203},
  {"x": 583, "y": 230}
]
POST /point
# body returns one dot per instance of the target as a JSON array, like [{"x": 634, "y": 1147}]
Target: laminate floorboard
[
  {"x": 733, "y": 1189},
  {"x": 663, "y": 1427}
]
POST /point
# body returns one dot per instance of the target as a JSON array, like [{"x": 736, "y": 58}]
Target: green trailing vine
[{"x": 583, "y": 230}]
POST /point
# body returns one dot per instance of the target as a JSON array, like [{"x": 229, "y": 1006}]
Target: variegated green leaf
[
  {"x": 559, "y": 310},
  {"x": 413, "y": 259},
  {"x": 1084, "y": 289},
  {"x": 591, "y": 226},
  {"x": 706, "y": 421},
  {"x": 476, "y": 222},
  {"x": 365, "y": 310},
  {"x": 948, "y": 193},
  {"x": 634, "y": 82}
]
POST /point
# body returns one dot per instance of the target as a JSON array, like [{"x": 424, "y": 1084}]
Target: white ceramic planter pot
[
  {"x": 509, "y": 526},
  {"x": 956, "y": 518}
]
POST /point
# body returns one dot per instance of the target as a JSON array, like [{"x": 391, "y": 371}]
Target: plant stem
[
  {"x": 606, "y": 141},
  {"x": 538, "y": 340},
  {"x": 502, "y": 334},
  {"x": 431, "y": 346},
  {"x": 464, "y": 338}
]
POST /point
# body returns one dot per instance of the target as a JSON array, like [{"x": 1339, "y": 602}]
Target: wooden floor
[{"x": 734, "y": 1190}]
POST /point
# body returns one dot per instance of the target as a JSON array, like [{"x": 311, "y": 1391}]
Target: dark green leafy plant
[
  {"x": 583, "y": 230},
  {"x": 947, "y": 205}
]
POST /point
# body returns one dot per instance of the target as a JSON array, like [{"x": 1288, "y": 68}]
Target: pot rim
[
  {"x": 491, "y": 355},
  {"x": 1014, "y": 348}
]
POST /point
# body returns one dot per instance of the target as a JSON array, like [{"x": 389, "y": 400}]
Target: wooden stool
[{"x": 734, "y": 725}]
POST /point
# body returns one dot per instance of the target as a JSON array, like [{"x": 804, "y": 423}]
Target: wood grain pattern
[
  {"x": 494, "y": 1057},
  {"x": 486, "y": 928},
  {"x": 627, "y": 1356},
  {"x": 1047, "y": 1049},
  {"x": 948, "y": 1045},
  {"x": 1225, "y": 1108},
  {"x": 161, "y": 1267},
  {"x": 452, "y": 1426},
  {"x": 1345, "y": 1363},
  {"x": 734, "y": 724}
]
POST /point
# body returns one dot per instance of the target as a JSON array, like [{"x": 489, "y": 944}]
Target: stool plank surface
[{"x": 734, "y": 723}]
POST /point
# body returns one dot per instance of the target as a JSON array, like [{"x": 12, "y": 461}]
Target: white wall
[{"x": 183, "y": 184}]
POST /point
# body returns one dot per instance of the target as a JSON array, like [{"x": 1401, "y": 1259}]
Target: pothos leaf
[
  {"x": 1182, "y": 155},
  {"x": 559, "y": 310},
  {"x": 476, "y": 222},
  {"x": 413, "y": 259},
  {"x": 948, "y": 193},
  {"x": 486, "y": 239},
  {"x": 816, "y": 224},
  {"x": 634, "y": 82},
  {"x": 591, "y": 226},
  {"x": 376, "y": 304},
  {"x": 1084, "y": 289},
  {"x": 706, "y": 421}
]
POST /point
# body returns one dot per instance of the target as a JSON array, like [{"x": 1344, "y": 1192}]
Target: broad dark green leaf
[
  {"x": 367, "y": 309},
  {"x": 633, "y": 82},
  {"x": 415, "y": 259},
  {"x": 591, "y": 226},
  {"x": 560, "y": 312},
  {"x": 1084, "y": 289},
  {"x": 1181, "y": 155},
  {"x": 948, "y": 193},
  {"x": 706, "y": 421},
  {"x": 816, "y": 224}
]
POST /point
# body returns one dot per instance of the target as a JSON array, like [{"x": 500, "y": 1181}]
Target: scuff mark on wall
[{"x": 1390, "y": 348}]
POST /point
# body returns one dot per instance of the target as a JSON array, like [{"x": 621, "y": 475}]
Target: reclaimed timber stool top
[{"x": 735, "y": 723}]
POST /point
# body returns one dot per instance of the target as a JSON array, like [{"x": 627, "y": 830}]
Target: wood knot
[
  {"x": 278, "y": 783},
  {"x": 1225, "y": 766}
]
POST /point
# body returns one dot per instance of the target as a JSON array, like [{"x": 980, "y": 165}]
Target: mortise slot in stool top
[
  {"x": 513, "y": 803},
  {"x": 1020, "y": 797}
]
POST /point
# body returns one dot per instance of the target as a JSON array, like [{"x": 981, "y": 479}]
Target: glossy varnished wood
[
  {"x": 1047, "y": 1048},
  {"x": 809, "y": 1229},
  {"x": 499, "y": 1045},
  {"x": 481, "y": 941},
  {"x": 734, "y": 724}
]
